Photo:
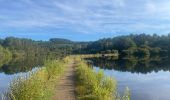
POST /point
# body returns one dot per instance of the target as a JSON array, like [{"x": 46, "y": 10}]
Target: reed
[
  {"x": 38, "y": 85},
  {"x": 92, "y": 85}
]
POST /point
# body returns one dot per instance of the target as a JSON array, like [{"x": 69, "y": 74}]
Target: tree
[{"x": 123, "y": 43}]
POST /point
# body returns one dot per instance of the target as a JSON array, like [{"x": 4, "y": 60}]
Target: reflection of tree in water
[
  {"x": 4, "y": 61},
  {"x": 137, "y": 65},
  {"x": 21, "y": 65}
]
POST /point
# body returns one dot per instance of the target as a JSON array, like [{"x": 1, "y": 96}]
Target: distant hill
[{"x": 61, "y": 41}]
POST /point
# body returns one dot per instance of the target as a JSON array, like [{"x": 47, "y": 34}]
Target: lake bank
[
  {"x": 38, "y": 85},
  {"x": 145, "y": 78},
  {"x": 45, "y": 82}
]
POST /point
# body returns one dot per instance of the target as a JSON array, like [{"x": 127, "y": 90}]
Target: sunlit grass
[
  {"x": 39, "y": 85},
  {"x": 91, "y": 85}
]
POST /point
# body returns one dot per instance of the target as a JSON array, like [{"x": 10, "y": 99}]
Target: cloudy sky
[{"x": 82, "y": 19}]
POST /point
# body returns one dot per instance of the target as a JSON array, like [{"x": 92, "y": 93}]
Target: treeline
[
  {"x": 20, "y": 47},
  {"x": 141, "y": 44},
  {"x": 62, "y": 47},
  {"x": 52, "y": 49}
]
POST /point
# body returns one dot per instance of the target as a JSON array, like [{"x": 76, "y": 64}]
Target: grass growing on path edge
[
  {"x": 39, "y": 85},
  {"x": 91, "y": 85}
]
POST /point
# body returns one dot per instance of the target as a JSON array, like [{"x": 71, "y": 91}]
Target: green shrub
[
  {"x": 93, "y": 85},
  {"x": 39, "y": 85}
]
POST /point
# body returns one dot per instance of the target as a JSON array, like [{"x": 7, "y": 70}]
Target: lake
[
  {"x": 147, "y": 78},
  {"x": 16, "y": 67}
]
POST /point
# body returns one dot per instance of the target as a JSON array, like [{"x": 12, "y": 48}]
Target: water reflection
[
  {"x": 147, "y": 78},
  {"x": 133, "y": 65},
  {"x": 20, "y": 65},
  {"x": 11, "y": 68}
]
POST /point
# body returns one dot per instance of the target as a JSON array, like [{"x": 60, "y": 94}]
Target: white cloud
[
  {"x": 150, "y": 7},
  {"x": 86, "y": 16}
]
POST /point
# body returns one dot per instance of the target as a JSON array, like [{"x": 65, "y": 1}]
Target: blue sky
[{"x": 82, "y": 20}]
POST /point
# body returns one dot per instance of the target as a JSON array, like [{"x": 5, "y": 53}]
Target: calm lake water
[
  {"x": 16, "y": 67},
  {"x": 147, "y": 78}
]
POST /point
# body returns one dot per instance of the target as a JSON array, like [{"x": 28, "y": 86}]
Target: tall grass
[
  {"x": 91, "y": 85},
  {"x": 38, "y": 85}
]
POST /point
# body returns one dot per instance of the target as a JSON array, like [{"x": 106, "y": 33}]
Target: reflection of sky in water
[
  {"x": 151, "y": 86},
  {"x": 6, "y": 79}
]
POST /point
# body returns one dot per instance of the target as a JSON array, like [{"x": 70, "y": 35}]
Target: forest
[
  {"x": 129, "y": 45},
  {"x": 142, "y": 44},
  {"x": 141, "y": 54}
]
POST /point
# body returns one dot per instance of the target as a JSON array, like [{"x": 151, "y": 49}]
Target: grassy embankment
[
  {"x": 91, "y": 85},
  {"x": 39, "y": 85}
]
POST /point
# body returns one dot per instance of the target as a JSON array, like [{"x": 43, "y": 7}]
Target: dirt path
[{"x": 66, "y": 87}]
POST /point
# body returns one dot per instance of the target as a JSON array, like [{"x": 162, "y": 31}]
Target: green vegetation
[
  {"x": 91, "y": 85},
  {"x": 55, "y": 48},
  {"x": 18, "y": 65},
  {"x": 38, "y": 85},
  {"x": 142, "y": 44},
  {"x": 5, "y": 56},
  {"x": 98, "y": 55},
  {"x": 133, "y": 64}
]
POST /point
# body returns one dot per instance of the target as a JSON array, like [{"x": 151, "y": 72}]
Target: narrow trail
[{"x": 66, "y": 87}]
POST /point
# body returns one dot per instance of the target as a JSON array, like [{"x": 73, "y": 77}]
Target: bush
[
  {"x": 93, "y": 85},
  {"x": 38, "y": 85}
]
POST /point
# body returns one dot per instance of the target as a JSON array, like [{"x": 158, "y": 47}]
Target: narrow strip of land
[{"x": 66, "y": 87}]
